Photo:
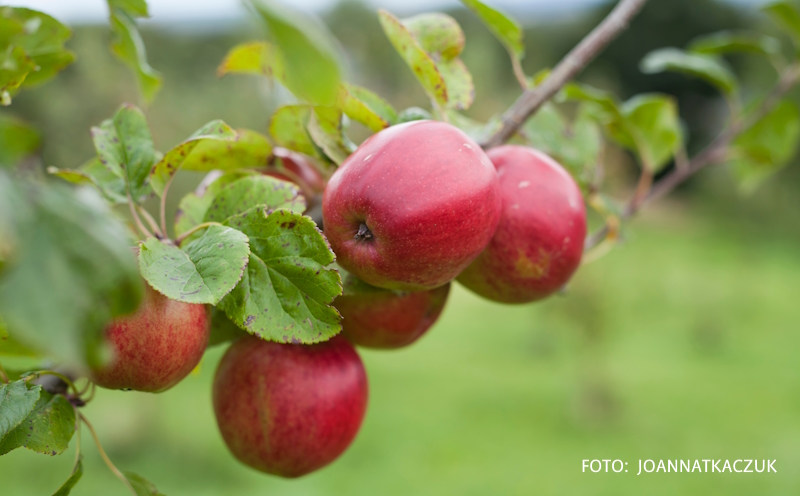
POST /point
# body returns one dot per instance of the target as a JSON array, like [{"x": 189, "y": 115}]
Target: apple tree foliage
[{"x": 241, "y": 243}]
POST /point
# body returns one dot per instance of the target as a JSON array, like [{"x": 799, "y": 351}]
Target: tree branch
[
  {"x": 715, "y": 152},
  {"x": 573, "y": 63}
]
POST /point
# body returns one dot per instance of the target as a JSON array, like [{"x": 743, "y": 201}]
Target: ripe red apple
[
  {"x": 412, "y": 207},
  {"x": 289, "y": 409},
  {"x": 155, "y": 347},
  {"x": 381, "y": 318},
  {"x": 539, "y": 241}
]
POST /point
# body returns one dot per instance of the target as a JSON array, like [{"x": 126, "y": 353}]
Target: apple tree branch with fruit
[{"x": 300, "y": 245}]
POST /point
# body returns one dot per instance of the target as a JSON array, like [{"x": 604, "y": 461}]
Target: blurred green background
[{"x": 680, "y": 344}]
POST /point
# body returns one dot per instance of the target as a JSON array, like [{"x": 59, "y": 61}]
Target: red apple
[
  {"x": 381, "y": 318},
  {"x": 412, "y": 207},
  {"x": 539, "y": 241},
  {"x": 289, "y": 409},
  {"x": 155, "y": 347}
]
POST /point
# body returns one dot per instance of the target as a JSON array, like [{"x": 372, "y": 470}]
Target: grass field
[{"x": 682, "y": 344}]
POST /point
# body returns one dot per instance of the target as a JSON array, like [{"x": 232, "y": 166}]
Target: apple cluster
[{"x": 415, "y": 207}]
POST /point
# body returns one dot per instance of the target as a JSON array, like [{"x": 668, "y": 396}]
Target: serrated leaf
[
  {"x": 16, "y": 403},
  {"x": 288, "y": 129},
  {"x": 142, "y": 486},
  {"x": 287, "y": 291},
  {"x": 505, "y": 29},
  {"x": 17, "y": 140},
  {"x": 125, "y": 147},
  {"x": 248, "y": 149},
  {"x": 222, "y": 329},
  {"x": 70, "y": 271},
  {"x": 767, "y": 146},
  {"x": 258, "y": 57},
  {"x": 735, "y": 41},
  {"x": 414, "y": 55},
  {"x": 77, "y": 473},
  {"x": 192, "y": 208},
  {"x": 129, "y": 47},
  {"x": 653, "y": 124},
  {"x": 47, "y": 429},
  {"x": 707, "y": 67},
  {"x": 366, "y": 107},
  {"x": 576, "y": 146},
  {"x": 310, "y": 60},
  {"x": 204, "y": 271},
  {"x": 786, "y": 16},
  {"x": 325, "y": 128},
  {"x": 250, "y": 191},
  {"x": 162, "y": 172}
]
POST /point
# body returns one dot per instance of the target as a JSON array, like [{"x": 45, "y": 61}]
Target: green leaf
[
  {"x": 413, "y": 114},
  {"x": 70, "y": 271},
  {"x": 134, "y": 8},
  {"x": 287, "y": 291},
  {"x": 129, "y": 47},
  {"x": 162, "y": 172},
  {"x": 15, "y": 65},
  {"x": 442, "y": 39},
  {"x": 652, "y": 122},
  {"x": 248, "y": 149},
  {"x": 707, "y": 67},
  {"x": 17, "y": 140},
  {"x": 95, "y": 174},
  {"x": 735, "y": 41},
  {"x": 77, "y": 473},
  {"x": 222, "y": 329},
  {"x": 142, "y": 486},
  {"x": 259, "y": 57},
  {"x": 506, "y": 29},
  {"x": 576, "y": 146},
  {"x": 204, "y": 271},
  {"x": 786, "y": 16},
  {"x": 16, "y": 403},
  {"x": 250, "y": 191},
  {"x": 414, "y": 55},
  {"x": 192, "y": 208},
  {"x": 366, "y": 107},
  {"x": 125, "y": 147},
  {"x": 288, "y": 129},
  {"x": 47, "y": 430},
  {"x": 767, "y": 146},
  {"x": 310, "y": 60},
  {"x": 43, "y": 40},
  {"x": 325, "y": 128},
  {"x": 474, "y": 129},
  {"x": 11, "y": 347}
]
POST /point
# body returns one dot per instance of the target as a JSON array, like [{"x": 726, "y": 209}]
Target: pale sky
[{"x": 171, "y": 11}]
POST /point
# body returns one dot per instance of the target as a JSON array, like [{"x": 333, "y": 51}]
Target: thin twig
[
  {"x": 518, "y": 72},
  {"x": 110, "y": 465},
  {"x": 573, "y": 63},
  {"x": 150, "y": 221},
  {"x": 136, "y": 218},
  {"x": 77, "y": 438},
  {"x": 712, "y": 154},
  {"x": 163, "y": 207},
  {"x": 180, "y": 239},
  {"x": 61, "y": 376}
]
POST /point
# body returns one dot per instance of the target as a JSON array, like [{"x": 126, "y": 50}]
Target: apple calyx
[{"x": 363, "y": 233}]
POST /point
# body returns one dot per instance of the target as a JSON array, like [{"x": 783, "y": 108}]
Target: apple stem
[
  {"x": 61, "y": 376},
  {"x": 103, "y": 455},
  {"x": 150, "y": 221},
  {"x": 136, "y": 218},
  {"x": 363, "y": 233}
]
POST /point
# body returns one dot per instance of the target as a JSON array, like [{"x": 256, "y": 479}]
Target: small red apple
[
  {"x": 297, "y": 168},
  {"x": 381, "y": 318},
  {"x": 539, "y": 241},
  {"x": 412, "y": 206},
  {"x": 156, "y": 347},
  {"x": 289, "y": 409}
]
